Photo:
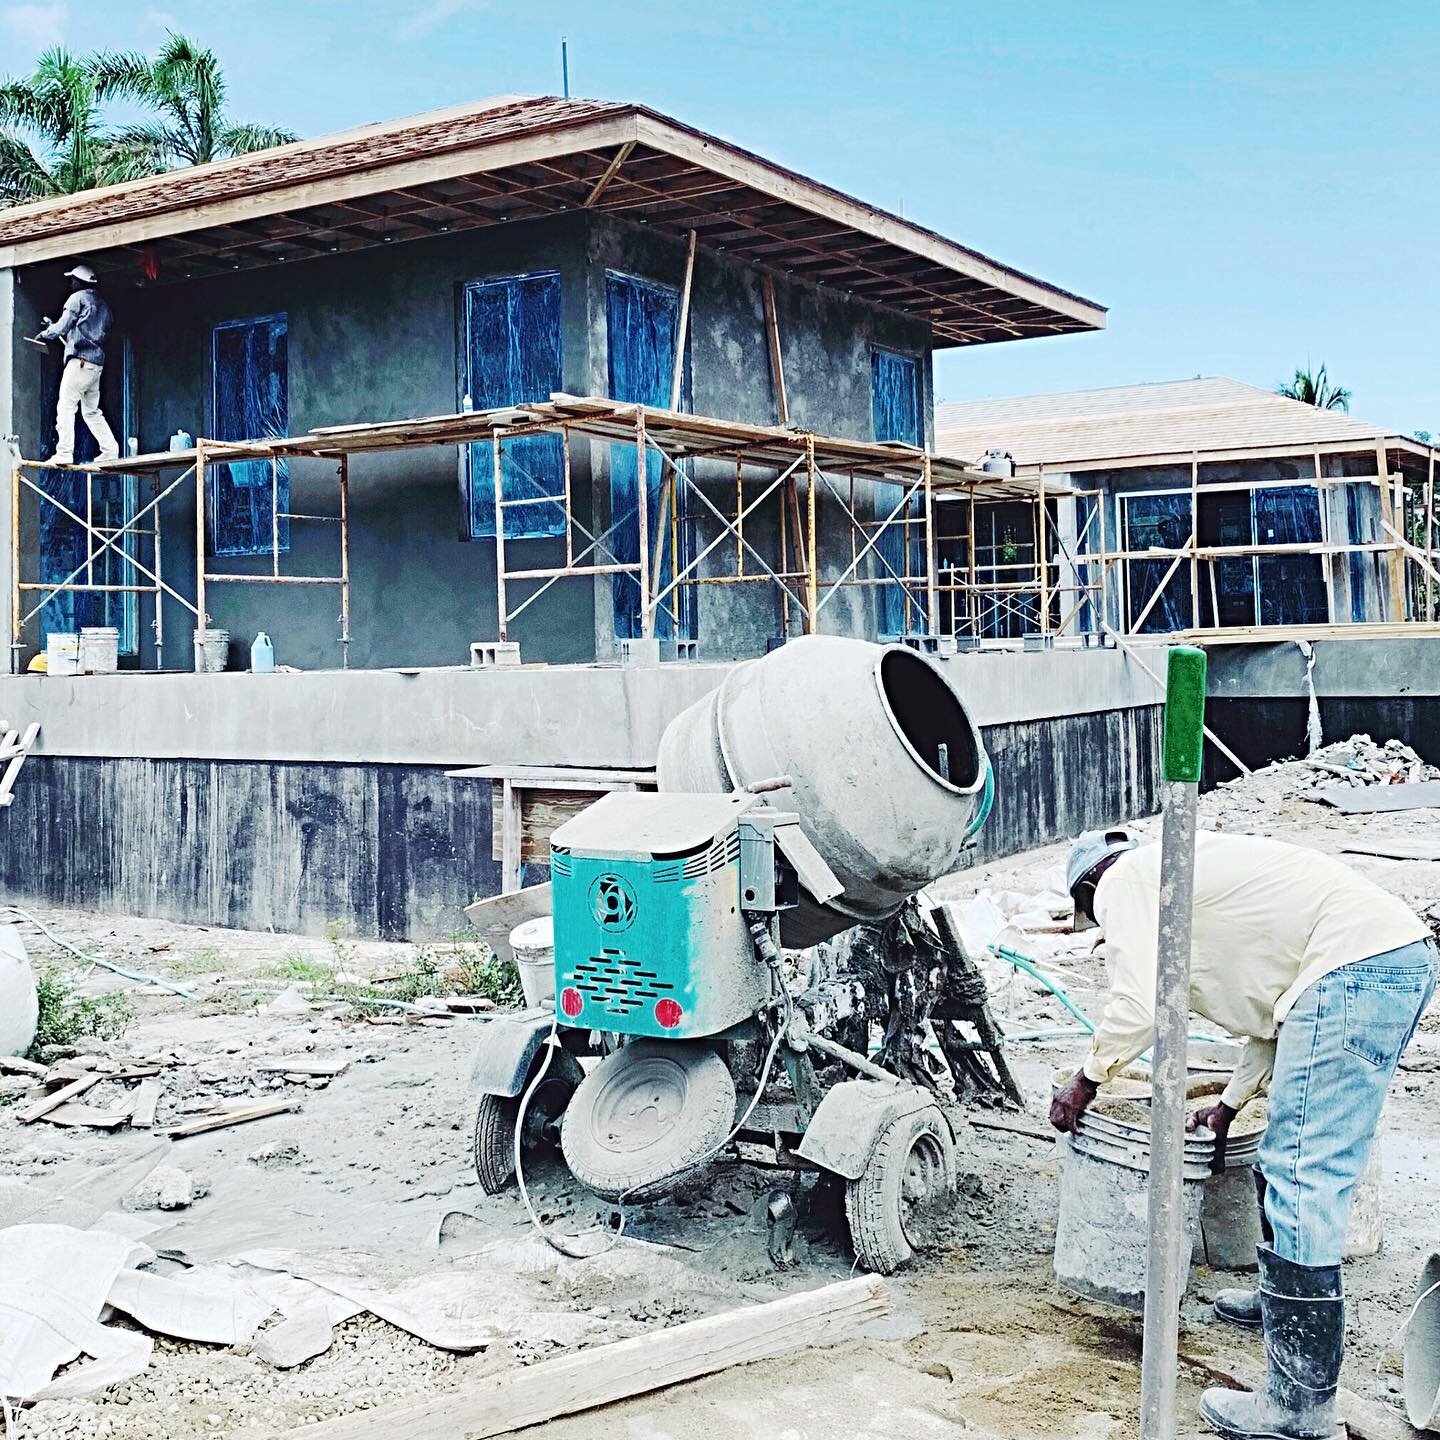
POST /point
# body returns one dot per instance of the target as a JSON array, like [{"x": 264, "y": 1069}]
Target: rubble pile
[{"x": 1361, "y": 761}]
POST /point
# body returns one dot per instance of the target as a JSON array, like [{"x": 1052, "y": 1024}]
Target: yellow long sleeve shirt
[{"x": 1270, "y": 920}]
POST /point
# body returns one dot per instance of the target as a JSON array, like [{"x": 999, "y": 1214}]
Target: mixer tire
[
  {"x": 646, "y": 1118},
  {"x": 910, "y": 1173},
  {"x": 495, "y": 1116}
]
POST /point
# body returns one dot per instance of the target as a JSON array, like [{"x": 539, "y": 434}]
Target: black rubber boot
[
  {"x": 1242, "y": 1307},
  {"x": 1303, "y": 1314}
]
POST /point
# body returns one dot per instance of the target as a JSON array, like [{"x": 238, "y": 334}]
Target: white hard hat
[{"x": 82, "y": 272}]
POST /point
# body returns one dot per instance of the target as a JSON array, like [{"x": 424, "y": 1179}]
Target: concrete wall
[
  {"x": 1259, "y": 697},
  {"x": 372, "y": 336},
  {"x": 298, "y": 800}
]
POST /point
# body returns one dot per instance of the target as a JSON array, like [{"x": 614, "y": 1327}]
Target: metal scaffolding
[{"x": 806, "y": 516}]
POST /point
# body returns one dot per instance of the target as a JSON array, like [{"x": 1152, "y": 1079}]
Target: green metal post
[{"x": 1168, "y": 1258}]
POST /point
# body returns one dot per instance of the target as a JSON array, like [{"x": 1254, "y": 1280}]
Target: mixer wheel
[
  {"x": 908, "y": 1180},
  {"x": 647, "y": 1117},
  {"x": 495, "y": 1116}
]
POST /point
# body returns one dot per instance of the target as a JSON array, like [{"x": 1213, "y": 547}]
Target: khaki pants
[{"x": 80, "y": 390}]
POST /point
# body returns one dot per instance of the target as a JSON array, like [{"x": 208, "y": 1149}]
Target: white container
[
  {"x": 534, "y": 946},
  {"x": 62, "y": 653},
  {"x": 1422, "y": 1349},
  {"x": 19, "y": 1007},
  {"x": 99, "y": 650},
  {"x": 212, "y": 650}
]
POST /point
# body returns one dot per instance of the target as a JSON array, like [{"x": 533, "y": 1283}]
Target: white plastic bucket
[
  {"x": 99, "y": 650},
  {"x": 212, "y": 650},
  {"x": 1422, "y": 1350},
  {"x": 533, "y": 944},
  {"x": 19, "y": 1007},
  {"x": 62, "y": 653}
]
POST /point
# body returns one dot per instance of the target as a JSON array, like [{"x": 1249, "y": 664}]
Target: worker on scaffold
[
  {"x": 1325, "y": 976},
  {"x": 83, "y": 325}
]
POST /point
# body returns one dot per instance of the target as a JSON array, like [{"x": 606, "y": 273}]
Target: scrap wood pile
[
  {"x": 100, "y": 1093},
  {"x": 1361, "y": 761}
]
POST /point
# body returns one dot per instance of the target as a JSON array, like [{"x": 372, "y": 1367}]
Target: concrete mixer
[{"x": 817, "y": 790}]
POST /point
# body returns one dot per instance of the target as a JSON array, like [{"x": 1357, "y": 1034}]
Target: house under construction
[{"x": 511, "y": 425}]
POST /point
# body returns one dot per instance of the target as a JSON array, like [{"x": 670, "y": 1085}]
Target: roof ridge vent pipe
[{"x": 888, "y": 766}]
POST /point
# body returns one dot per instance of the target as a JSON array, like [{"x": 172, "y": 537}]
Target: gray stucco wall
[{"x": 372, "y": 336}]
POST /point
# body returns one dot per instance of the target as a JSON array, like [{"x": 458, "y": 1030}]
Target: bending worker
[
  {"x": 83, "y": 325},
  {"x": 1326, "y": 976}
]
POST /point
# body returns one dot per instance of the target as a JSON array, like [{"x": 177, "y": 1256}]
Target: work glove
[
  {"x": 1216, "y": 1118},
  {"x": 1071, "y": 1101}
]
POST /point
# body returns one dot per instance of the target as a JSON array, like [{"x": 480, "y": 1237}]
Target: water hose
[{"x": 987, "y": 801}]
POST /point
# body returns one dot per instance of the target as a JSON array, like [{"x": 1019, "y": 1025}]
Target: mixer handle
[{"x": 765, "y": 787}]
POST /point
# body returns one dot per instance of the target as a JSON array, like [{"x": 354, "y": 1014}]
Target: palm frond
[
  {"x": 120, "y": 74},
  {"x": 246, "y": 139},
  {"x": 23, "y": 176}
]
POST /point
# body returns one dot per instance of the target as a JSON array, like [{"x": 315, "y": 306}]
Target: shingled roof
[
  {"x": 513, "y": 158},
  {"x": 1130, "y": 425}
]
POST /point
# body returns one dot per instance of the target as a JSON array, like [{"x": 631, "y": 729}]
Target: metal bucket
[
  {"x": 533, "y": 945},
  {"x": 1422, "y": 1350},
  {"x": 99, "y": 650},
  {"x": 1102, "y": 1229},
  {"x": 859, "y": 729},
  {"x": 212, "y": 651}
]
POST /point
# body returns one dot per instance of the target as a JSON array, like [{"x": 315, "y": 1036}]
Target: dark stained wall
[{"x": 398, "y": 851}]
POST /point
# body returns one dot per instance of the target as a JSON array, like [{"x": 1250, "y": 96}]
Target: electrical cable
[
  {"x": 550, "y": 1042},
  {"x": 138, "y": 976}
]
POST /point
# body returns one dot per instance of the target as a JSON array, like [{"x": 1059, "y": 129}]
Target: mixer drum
[{"x": 858, "y": 727}]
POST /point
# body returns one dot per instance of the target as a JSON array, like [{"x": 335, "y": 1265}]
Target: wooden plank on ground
[
  {"x": 585, "y": 1379},
  {"x": 76, "y": 1113},
  {"x": 314, "y": 1065},
  {"x": 147, "y": 1098},
  {"x": 38, "y": 1109},
  {"x": 1378, "y": 799},
  {"x": 1394, "y": 849},
  {"x": 231, "y": 1117}
]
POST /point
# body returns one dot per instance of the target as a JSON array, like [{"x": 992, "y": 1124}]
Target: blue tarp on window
[
  {"x": 251, "y": 380},
  {"x": 895, "y": 412},
  {"x": 511, "y": 340},
  {"x": 642, "y": 322},
  {"x": 1292, "y": 587}
]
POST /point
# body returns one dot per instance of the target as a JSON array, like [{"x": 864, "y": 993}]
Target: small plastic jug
[{"x": 262, "y": 655}]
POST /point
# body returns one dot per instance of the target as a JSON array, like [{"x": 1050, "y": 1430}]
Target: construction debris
[{"x": 167, "y": 1187}]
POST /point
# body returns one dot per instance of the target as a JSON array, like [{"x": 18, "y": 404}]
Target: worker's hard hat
[
  {"x": 1090, "y": 849},
  {"x": 82, "y": 272}
]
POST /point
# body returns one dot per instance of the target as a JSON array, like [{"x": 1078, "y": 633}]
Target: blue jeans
[{"x": 1335, "y": 1056}]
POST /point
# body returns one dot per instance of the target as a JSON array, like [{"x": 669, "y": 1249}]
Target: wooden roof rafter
[{"x": 514, "y": 159}]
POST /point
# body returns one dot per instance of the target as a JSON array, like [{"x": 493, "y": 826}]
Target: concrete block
[
  {"x": 494, "y": 654},
  {"x": 640, "y": 654},
  {"x": 1037, "y": 643}
]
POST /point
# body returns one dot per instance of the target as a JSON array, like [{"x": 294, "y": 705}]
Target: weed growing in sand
[{"x": 67, "y": 1019}]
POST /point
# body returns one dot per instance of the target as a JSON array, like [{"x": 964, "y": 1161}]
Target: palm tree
[
  {"x": 1314, "y": 388},
  {"x": 53, "y": 140},
  {"x": 185, "y": 84}
]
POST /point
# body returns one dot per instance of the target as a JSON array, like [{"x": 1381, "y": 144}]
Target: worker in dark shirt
[{"x": 83, "y": 326}]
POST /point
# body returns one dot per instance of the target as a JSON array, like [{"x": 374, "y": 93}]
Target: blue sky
[{"x": 1247, "y": 186}]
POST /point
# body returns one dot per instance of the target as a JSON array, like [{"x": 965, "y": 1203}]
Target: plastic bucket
[
  {"x": 212, "y": 650},
  {"x": 99, "y": 650},
  {"x": 1102, "y": 1228},
  {"x": 1422, "y": 1350},
  {"x": 62, "y": 653},
  {"x": 533, "y": 944}
]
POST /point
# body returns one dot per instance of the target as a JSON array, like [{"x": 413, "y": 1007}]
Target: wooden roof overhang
[{"x": 522, "y": 159}]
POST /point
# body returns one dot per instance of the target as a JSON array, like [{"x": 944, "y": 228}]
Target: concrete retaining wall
[
  {"x": 398, "y": 851},
  {"x": 294, "y": 801}
]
